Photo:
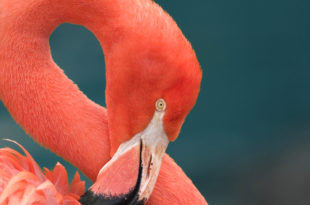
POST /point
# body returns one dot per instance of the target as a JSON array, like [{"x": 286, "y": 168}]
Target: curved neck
[
  {"x": 40, "y": 97},
  {"x": 51, "y": 108}
]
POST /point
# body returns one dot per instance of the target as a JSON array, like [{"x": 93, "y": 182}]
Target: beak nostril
[{"x": 149, "y": 166}]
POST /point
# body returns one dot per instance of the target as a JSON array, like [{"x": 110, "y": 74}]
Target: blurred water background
[{"x": 247, "y": 141}]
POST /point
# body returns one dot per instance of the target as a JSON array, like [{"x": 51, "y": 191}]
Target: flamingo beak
[
  {"x": 154, "y": 142},
  {"x": 130, "y": 176}
]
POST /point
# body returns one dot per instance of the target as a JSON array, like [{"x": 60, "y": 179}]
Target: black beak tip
[
  {"x": 130, "y": 198},
  {"x": 90, "y": 198}
]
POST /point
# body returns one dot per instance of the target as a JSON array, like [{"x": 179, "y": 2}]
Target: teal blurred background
[{"x": 247, "y": 141}]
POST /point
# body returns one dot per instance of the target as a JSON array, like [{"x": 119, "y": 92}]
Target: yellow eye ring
[{"x": 160, "y": 105}]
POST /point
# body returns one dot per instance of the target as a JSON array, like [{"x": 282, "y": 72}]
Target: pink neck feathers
[{"x": 37, "y": 93}]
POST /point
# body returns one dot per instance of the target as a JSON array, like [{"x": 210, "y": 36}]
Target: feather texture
[{"x": 22, "y": 181}]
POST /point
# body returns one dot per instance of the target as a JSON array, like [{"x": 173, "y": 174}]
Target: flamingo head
[
  {"x": 150, "y": 90},
  {"x": 153, "y": 80},
  {"x": 143, "y": 77}
]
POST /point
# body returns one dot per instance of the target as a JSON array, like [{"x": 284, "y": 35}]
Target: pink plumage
[
  {"x": 147, "y": 58},
  {"x": 22, "y": 181}
]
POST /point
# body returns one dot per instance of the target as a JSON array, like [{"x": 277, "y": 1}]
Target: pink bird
[{"x": 153, "y": 80}]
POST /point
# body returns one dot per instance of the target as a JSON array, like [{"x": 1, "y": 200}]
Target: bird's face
[
  {"x": 137, "y": 82},
  {"x": 149, "y": 93}
]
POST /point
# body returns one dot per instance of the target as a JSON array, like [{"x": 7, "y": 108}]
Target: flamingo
[{"x": 153, "y": 80}]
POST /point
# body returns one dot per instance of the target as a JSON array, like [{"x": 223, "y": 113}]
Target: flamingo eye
[{"x": 160, "y": 105}]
